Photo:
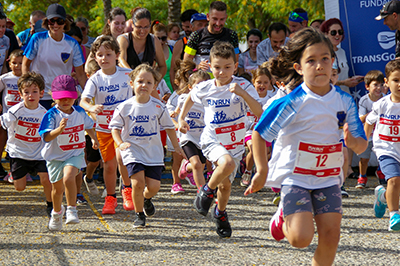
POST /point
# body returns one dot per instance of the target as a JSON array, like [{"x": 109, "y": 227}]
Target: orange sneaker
[
  {"x": 109, "y": 205},
  {"x": 127, "y": 199}
]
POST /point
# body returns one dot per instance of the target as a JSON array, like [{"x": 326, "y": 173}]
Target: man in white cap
[{"x": 391, "y": 18}]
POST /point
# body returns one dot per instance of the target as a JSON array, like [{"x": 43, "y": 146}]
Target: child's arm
[
  {"x": 368, "y": 128},
  {"x": 92, "y": 135},
  {"x": 261, "y": 161},
  {"x": 255, "y": 106},
  {"x": 183, "y": 126},
  {"x": 175, "y": 113},
  {"x": 174, "y": 140},
  {"x": 116, "y": 134},
  {"x": 363, "y": 118},
  {"x": 166, "y": 96},
  {"x": 49, "y": 136},
  {"x": 359, "y": 144},
  {"x": 85, "y": 104}
]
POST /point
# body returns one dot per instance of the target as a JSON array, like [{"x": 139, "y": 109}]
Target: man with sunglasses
[
  {"x": 298, "y": 19},
  {"x": 391, "y": 18}
]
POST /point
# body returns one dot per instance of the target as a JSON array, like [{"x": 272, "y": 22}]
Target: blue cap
[{"x": 198, "y": 16}]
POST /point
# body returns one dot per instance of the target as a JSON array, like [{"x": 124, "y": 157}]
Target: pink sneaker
[
  {"x": 177, "y": 188},
  {"x": 276, "y": 223},
  {"x": 9, "y": 178},
  {"x": 190, "y": 180},
  {"x": 182, "y": 170}
]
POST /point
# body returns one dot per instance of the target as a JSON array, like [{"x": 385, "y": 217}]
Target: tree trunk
[
  {"x": 174, "y": 10},
  {"x": 107, "y": 9}
]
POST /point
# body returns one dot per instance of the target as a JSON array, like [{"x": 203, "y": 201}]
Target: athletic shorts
[
  {"x": 20, "y": 167},
  {"x": 56, "y": 168},
  {"x": 318, "y": 201},
  {"x": 191, "y": 150},
  {"x": 247, "y": 138},
  {"x": 92, "y": 155},
  {"x": 390, "y": 167},
  {"x": 153, "y": 172},
  {"x": 367, "y": 153},
  {"x": 214, "y": 151},
  {"x": 107, "y": 146}
]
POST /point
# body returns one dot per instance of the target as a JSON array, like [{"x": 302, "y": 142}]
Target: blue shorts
[
  {"x": 153, "y": 172},
  {"x": 56, "y": 168},
  {"x": 297, "y": 199},
  {"x": 367, "y": 153},
  {"x": 390, "y": 167}
]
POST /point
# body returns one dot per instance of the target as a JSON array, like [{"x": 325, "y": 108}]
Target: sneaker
[
  {"x": 127, "y": 199},
  {"x": 3, "y": 173},
  {"x": 80, "y": 200},
  {"x": 9, "y": 178},
  {"x": 72, "y": 215},
  {"x": 55, "y": 223},
  {"x": 104, "y": 194},
  {"x": 381, "y": 177},
  {"x": 276, "y": 223},
  {"x": 189, "y": 178},
  {"x": 109, "y": 205},
  {"x": 379, "y": 206},
  {"x": 352, "y": 176},
  {"x": 276, "y": 199},
  {"x": 148, "y": 208},
  {"x": 91, "y": 186},
  {"x": 29, "y": 178},
  {"x": 361, "y": 182},
  {"x": 394, "y": 222},
  {"x": 203, "y": 201},
  {"x": 246, "y": 177},
  {"x": 223, "y": 226},
  {"x": 183, "y": 170},
  {"x": 177, "y": 188},
  {"x": 140, "y": 221},
  {"x": 344, "y": 192}
]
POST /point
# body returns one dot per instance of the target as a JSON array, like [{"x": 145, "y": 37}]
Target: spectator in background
[
  {"x": 24, "y": 36},
  {"x": 391, "y": 18},
  {"x": 186, "y": 25},
  {"x": 316, "y": 23},
  {"x": 10, "y": 24},
  {"x": 298, "y": 19},
  {"x": 83, "y": 24},
  {"x": 173, "y": 33},
  {"x": 248, "y": 59},
  {"x": 270, "y": 47}
]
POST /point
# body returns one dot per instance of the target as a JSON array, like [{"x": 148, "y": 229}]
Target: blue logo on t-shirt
[
  {"x": 341, "y": 116},
  {"x": 65, "y": 57}
]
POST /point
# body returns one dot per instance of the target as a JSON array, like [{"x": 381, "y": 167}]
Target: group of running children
[{"x": 308, "y": 119}]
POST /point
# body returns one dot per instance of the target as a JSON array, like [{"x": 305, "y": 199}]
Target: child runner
[
  {"x": 136, "y": 131},
  {"x": 109, "y": 87},
  {"x": 262, "y": 81},
  {"x": 226, "y": 100},
  {"x": 62, "y": 128},
  {"x": 307, "y": 158},
  {"x": 374, "y": 81},
  {"x": 190, "y": 142},
  {"x": 386, "y": 139},
  {"x": 24, "y": 144}
]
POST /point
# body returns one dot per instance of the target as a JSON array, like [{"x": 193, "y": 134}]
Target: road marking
[{"x": 103, "y": 222}]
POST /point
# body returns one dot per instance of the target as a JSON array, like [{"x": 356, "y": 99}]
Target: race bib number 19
[
  {"x": 319, "y": 160},
  {"x": 389, "y": 130}
]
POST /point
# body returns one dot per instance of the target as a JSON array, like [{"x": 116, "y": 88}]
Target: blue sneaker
[
  {"x": 394, "y": 222},
  {"x": 380, "y": 207}
]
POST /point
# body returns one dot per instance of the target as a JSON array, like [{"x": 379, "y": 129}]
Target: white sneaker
[
  {"x": 104, "y": 193},
  {"x": 72, "y": 215},
  {"x": 91, "y": 187},
  {"x": 55, "y": 223}
]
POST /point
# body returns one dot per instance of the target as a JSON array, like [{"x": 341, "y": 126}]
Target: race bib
[
  {"x": 27, "y": 131},
  {"x": 389, "y": 130},
  {"x": 252, "y": 117},
  {"x": 104, "y": 118},
  {"x": 320, "y": 160},
  {"x": 72, "y": 138},
  {"x": 12, "y": 98},
  {"x": 231, "y": 137}
]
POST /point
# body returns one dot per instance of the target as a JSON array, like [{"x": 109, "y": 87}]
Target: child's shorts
[
  {"x": 390, "y": 167},
  {"x": 153, "y": 172},
  {"x": 20, "y": 167},
  {"x": 107, "y": 146},
  {"x": 214, "y": 151},
  {"x": 56, "y": 168},
  {"x": 92, "y": 155},
  {"x": 367, "y": 153},
  {"x": 297, "y": 199},
  {"x": 247, "y": 138},
  {"x": 191, "y": 150}
]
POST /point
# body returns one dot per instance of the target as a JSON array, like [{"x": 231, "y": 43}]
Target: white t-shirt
[
  {"x": 341, "y": 61},
  {"x": 195, "y": 120},
  {"x": 4, "y": 47},
  {"x": 108, "y": 90},
  {"x": 279, "y": 93},
  {"x": 171, "y": 105},
  {"x": 254, "y": 119},
  {"x": 162, "y": 89},
  {"x": 308, "y": 128},
  {"x": 9, "y": 87},
  {"x": 385, "y": 115},
  {"x": 140, "y": 125},
  {"x": 364, "y": 107},
  {"x": 22, "y": 125},
  {"x": 71, "y": 142},
  {"x": 224, "y": 114},
  {"x": 51, "y": 58}
]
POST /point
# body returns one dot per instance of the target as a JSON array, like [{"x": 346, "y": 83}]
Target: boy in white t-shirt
[
  {"x": 374, "y": 81},
  {"x": 109, "y": 87},
  {"x": 226, "y": 100},
  {"x": 24, "y": 144},
  {"x": 63, "y": 129},
  {"x": 386, "y": 138}
]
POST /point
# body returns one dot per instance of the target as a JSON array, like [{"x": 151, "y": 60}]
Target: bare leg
[{"x": 69, "y": 179}]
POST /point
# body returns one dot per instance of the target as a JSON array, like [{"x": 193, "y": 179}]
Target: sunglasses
[
  {"x": 334, "y": 32},
  {"x": 163, "y": 38},
  {"x": 59, "y": 21},
  {"x": 293, "y": 16}
]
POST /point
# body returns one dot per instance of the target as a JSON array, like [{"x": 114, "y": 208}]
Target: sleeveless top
[{"x": 149, "y": 54}]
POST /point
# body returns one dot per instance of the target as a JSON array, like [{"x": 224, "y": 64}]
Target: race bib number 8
[
  {"x": 28, "y": 132},
  {"x": 104, "y": 118},
  {"x": 72, "y": 138},
  {"x": 319, "y": 160},
  {"x": 231, "y": 137},
  {"x": 389, "y": 130}
]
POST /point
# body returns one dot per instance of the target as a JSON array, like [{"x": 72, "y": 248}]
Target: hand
[
  {"x": 236, "y": 89},
  {"x": 166, "y": 97},
  {"x": 63, "y": 124},
  {"x": 123, "y": 146},
  {"x": 257, "y": 183},
  {"x": 173, "y": 114},
  {"x": 95, "y": 144},
  {"x": 353, "y": 81},
  {"x": 96, "y": 109},
  {"x": 183, "y": 126},
  {"x": 204, "y": 65},
  {"x": 347, "y": 136},
  {"x": 180, "y": 152}
]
